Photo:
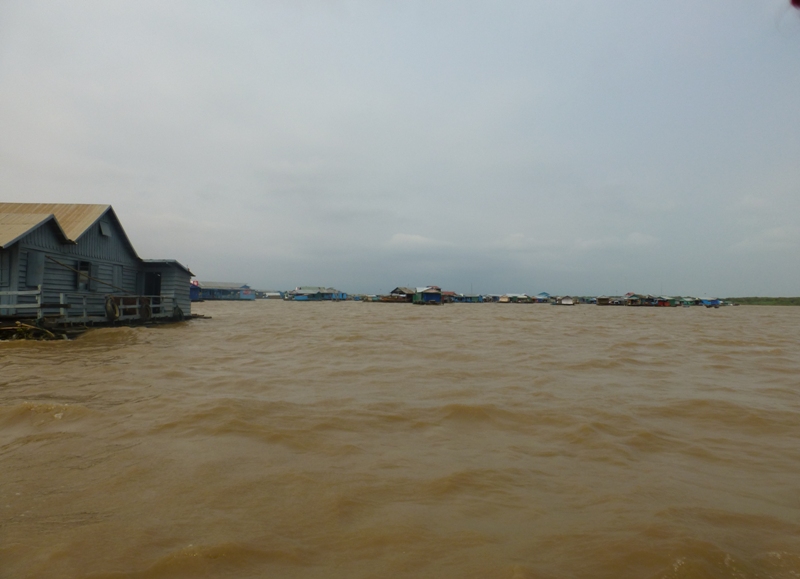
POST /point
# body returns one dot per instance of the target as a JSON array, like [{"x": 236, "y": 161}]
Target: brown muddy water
[{"x": 360, "y": 440}]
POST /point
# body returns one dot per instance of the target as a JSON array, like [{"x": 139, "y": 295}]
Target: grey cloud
[{"x": 580, "y": 147}]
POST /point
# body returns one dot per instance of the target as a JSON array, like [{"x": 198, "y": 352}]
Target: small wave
[
  {"x": 111, "y": 337},
  {"x": 217, "y": 560},
  {"x": 709, "y": 411},
  {"x": 475, "y": 414},
  {"x": 39, "y": 413}
]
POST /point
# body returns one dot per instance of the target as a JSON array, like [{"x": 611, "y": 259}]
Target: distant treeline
[{"x": 765, "y": 301}]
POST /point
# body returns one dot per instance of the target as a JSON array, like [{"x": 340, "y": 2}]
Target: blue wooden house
[
  {"x": 73, "y": 263},
  {"x": 429, "y": 295},
  {"x": 315, "y": 294}
]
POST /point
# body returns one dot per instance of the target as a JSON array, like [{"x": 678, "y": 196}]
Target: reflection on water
[{"x": 373, "y": 440}]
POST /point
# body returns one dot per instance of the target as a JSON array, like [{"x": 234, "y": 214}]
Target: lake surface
[{"x": 360, "y": 440}]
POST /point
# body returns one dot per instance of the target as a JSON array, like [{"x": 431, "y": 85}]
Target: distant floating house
[
  {"x": 223, "y": 290},
  {"x": 542, "y": 298},
  {"x": 269, "y": 295},
  {"x": 194, "y": 291},
  {"x": 667, "y": 301},
  {"x": 468, "y": 299},
  {"x": 565, "y": 301},
  {"x": 430, "y": 295},
  {"x": 71, "y": 263},
  {"x": 400, "y": 295},
  {"x": 315, "y": 294},
  {"x": 515, "y": 298},
  {"x": 632, "y": 299}
]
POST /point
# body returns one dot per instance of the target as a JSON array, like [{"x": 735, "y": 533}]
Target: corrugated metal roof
[
  {"x": 311, "y": 290},
  {"x": 168, "y": 262},
  {"x": 223, "y": 285},
  {"x": 13, "y": 226},
  {"x": 74, "y": 218}
]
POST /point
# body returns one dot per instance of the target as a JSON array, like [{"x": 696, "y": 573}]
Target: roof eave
[{"x": 47, "y": 219}]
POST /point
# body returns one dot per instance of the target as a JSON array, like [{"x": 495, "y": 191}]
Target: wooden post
[
  {"x": 62, "y": 299},
  {"x": 39, "y": 314}
]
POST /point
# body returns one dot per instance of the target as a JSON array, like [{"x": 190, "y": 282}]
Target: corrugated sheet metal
[
  {"x": 223, "y": 285},
  {"x": 16, "y": 225},
  {"x": 174, "y": 262},
  {"x": 74, "y": 218}
]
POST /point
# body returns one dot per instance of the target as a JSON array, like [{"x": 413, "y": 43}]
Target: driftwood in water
[{"x": 23, "y": 331}]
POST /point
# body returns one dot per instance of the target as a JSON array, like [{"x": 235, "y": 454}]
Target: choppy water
[{"x": 350, "y": 440}]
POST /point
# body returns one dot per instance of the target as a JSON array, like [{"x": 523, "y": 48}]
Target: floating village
[
  {"x": 66, "y": 267},
  {"x": 434, "y": 295}
]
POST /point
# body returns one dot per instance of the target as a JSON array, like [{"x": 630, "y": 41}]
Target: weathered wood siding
[
  {"x": 5, "y": 268},
  {"x": 41, "y": 258},
  {"x": 6, "y": 260},
  {"x": 103, "y": 253},
  {"x": 114, "y": 249},
  {"x": 175, "y": 282}
]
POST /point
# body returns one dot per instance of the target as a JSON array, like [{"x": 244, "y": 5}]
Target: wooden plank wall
[
  {"x": 104, "y": 253},
  {"x": 101, "y": 251},
  {"x": 178, "y": 282}
]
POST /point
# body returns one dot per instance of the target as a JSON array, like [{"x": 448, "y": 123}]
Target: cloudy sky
[{"x": 587, "y": 147}]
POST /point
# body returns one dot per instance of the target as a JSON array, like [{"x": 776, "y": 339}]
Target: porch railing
[
  {"x": 82, "y": 308},
  {"x": 7, "y": 308}
]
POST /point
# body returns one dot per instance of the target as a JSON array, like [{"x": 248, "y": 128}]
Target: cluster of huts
[
  {"x": 204, "y": 290},
  {"x": 434, "y": 295}
]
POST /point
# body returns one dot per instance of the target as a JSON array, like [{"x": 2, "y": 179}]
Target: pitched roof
[
  {"x": 13, "y": 226},
  {"x": 222, "y": 285},
  {"x": 311, "y": 290},
  {"x": 74, "y": 218},
  {"x": 174, "y": 262}
]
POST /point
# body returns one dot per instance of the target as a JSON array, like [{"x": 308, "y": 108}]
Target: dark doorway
[
  {"x": 152, "y": 287},
  {"x": 152, "y": 283}
]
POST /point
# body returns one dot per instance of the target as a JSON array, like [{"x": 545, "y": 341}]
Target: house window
[
  {"x": 105, "y": 229},
  {"x": 84, "y": 268},
  {"x": 34, "y": 273}
]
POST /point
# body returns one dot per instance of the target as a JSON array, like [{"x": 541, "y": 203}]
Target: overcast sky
[{"x": 585, "y": 147}]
